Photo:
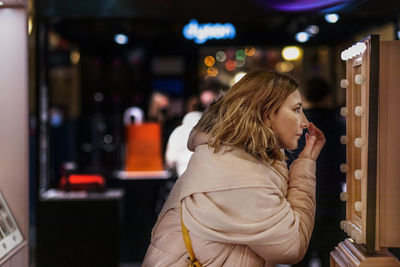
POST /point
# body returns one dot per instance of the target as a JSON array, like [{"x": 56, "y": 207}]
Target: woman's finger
[{"x": 308, "y": 148}]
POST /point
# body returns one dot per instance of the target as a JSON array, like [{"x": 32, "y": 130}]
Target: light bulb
[
  {"x": 344, "y": 111},
  {"x": 344, "y": 83},
  {"x": 343, "y": 139},
  {"x": 359, "y": 111}
]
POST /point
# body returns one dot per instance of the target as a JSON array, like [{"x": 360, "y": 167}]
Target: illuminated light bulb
[
  {"x": 250, "y": 51},
  {"x": 344, "y": 168},
  {"x": 302, "y": 37},
  {"x": 359, "y": 111},
  {"x": 220, "y": 56},
  {"x": 344, "y": 83},
  {"x": 359, "y": 79},
  {"x": 358, "y": 174},
  {"x": 344, "y": 111},
  {"x": 344, "y": 140},
  {"x": 359, "y": 142},
  {"x": 332, "y": 17},
  {"x": 353, "y": 51},
  {"x": 344, "y": 196},
  {"x": 344, "y": 55},
  {"x": 291, "y": 53},
  {"x": 209, "y": 61},
  {"x": 212, "y": 71},
  {"x": 358, "y": 206},
  {"x": 360, "y": 47}
]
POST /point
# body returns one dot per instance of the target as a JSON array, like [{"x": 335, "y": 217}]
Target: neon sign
[{"x": 200, "y": 33}]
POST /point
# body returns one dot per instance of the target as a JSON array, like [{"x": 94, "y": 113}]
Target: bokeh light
[
  {"x": 312, "y": 30},
  {"x": 230, "y": 65},
  {"x": 220, "y": 56},
  {"x": 284, "y": 66},
  {"x": 302, "y": 37},
  {"x": 240, "y": 63},
  {"x": 209, "y": 61},
  {"x": 212, "y": 71},
  {"x": 240, "y": 54},
  {"x": 291, "y": 53},
  {"x": 332, "y": 17},
  {"x": 250, "y": 51},
  {"x": 121, "y": 39},
  {"x": 30, "y": 25},
  {"x": 74, "y": 56}
]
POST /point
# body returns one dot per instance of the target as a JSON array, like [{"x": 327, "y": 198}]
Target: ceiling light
[
  {"x": 291, "y": 53},
  {"x": 121, "y": 39},
  {"x": 332, "y": 17},
  {"x": 312, "y": 30},
  {"x": 302, "y": 37}
]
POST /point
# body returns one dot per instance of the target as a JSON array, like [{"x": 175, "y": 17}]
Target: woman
[{"x": 240, "y": 204}]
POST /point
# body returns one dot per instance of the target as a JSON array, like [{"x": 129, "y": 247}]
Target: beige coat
[{"x": 239, "y": 212}]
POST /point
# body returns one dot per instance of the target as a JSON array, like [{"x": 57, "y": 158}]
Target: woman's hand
[{"x": 315, "y": 141}]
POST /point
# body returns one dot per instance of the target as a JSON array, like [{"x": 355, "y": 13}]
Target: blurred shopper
[
  {"x": 237, "y": 204},
  {"x": 177, "y": 154},
  {"x": 330, "y": 210}
]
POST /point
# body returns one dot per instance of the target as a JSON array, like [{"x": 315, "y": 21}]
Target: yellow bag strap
[{"x": 186, "y": 238}]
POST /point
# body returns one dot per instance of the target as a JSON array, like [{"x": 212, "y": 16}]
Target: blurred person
[
  {"x": 159, "y": 111},
  {"x": 237, "y": 204},
  {"x": 177, "y": 154},
  {"x": 159, "y": 107},
  {"x": 330, "y": 209}
]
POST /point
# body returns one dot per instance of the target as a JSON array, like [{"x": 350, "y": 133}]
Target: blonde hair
[{"x": 240, "y": 118}]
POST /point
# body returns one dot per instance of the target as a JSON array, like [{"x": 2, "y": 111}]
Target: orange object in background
[
  {"x": 86, "y": 182},
  {"x": 143, "y": 151}
]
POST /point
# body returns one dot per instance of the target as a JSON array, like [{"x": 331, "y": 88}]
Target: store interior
[{"x": 92, "y": 62}]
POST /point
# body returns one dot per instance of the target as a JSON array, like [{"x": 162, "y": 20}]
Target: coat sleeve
[
  {"x": 301, "y": 199},
  {"x": 275, "y": 225}
]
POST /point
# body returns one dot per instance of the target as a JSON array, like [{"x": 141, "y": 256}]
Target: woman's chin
[{"x": 291, "y": 146}]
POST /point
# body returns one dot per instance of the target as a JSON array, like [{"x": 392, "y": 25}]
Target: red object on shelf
[
  {"x": 144, "y": 147},
  {"x": 86, "y": 182}
]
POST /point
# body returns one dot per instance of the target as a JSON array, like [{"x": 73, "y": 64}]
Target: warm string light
[{"x": 231, "y": 59}]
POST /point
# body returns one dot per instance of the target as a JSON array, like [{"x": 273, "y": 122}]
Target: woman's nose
[{"x": 304, "y": 122}]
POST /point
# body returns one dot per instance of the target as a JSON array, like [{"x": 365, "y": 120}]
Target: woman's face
[{"x": 289, "y": 121}]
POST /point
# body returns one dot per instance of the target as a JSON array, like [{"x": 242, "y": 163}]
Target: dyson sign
[{"x": 200, "y": 33}]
